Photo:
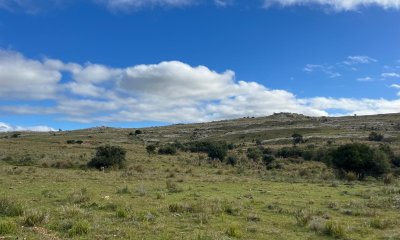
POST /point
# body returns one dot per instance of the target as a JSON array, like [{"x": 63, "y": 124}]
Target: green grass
[{"x": 185, "y": 196}]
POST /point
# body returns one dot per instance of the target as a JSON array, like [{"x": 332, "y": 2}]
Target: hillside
[{"x": 47, "y": 192}]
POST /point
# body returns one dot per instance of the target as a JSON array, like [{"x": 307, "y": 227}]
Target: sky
[{"x": 69, "y": 64}]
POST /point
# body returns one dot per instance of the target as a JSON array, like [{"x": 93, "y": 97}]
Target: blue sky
[{"x": 132, "y": 63}]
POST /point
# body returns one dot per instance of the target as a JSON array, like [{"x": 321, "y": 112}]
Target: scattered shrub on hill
[
  {"x": 231, "y": 160},
  {"x": 108, "y": 156},
  {"x": 151, "y": 149},
  {"x": 268, "y": 158},
  {"x": 254, "y": 154},
  {"x": 16, "y": 135},
  {"x": 215, "y": 150},
  {"x": 361, "y": 159},
  {"x": 297, "y": 138},
  {"x": 167, "y": 150},
  {"x": 138, "y": 132},
  {"x": 287, "y": 152},
  {"x": 374, "y": 136}
]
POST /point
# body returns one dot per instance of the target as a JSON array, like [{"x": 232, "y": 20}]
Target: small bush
[
  {"x": 151, "y": 149},
  {"x": 138, "y": 132},
  {"x": 167, "y": 150},
  {"x": 34, "y": 218},
  {"x": 10, "y": 208},
  {"x": 215, "y": 150},
  {"x": 71, "y": 141},
  {"x": 268, "y": 158},
  {"x": 254, "y": 154},
  {"x": 334, "y": 229},
  {"x": 374, "y": 136},
  {"x": 297, "y": 138},
  {"x": 234, "y": 231},
  {"x": 287, "y": 152},
  {"x": 232, "y": 160},
  {"x": 121, "y": 212},
  {"x": 7, "y": 227},
  {"x": 79, "y": 228},
  {"x": 108, "y": 156}
]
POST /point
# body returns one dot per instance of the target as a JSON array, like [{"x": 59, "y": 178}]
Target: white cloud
[
  {"x": 176, "y": 80},
  {"x": 126, "y": 5},
  {"x": 223, "y": 3},
  {"x": 166, "y": 92},
  {"x": 25, "y": 78},
  {"x": 8, "y": 128},
  {"x": 352, "y": 60},
  {"x": 396, "y": 86},
  {"x": 326, "y": 69},
  {"x": 337, "y": 5},
  {"x": 390, "y": 75},
  {"x": 365, "y": 79}
]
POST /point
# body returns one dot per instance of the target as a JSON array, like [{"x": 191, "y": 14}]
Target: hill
[{"x": 255, "y": 192}]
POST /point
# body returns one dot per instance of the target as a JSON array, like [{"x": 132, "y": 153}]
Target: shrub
[
  {"x": 137, "y": 132},
  {"x": 7, "y": 227},
  {"x": 10, "y": 208},
  {"x": 79, "y": 228},
  {"x": 361, "y": 159},
  {"x": 34, "y": 218},
  {"x": 151, "y": 149},
  {"x": 268, "y": 158},
  {"x": 297, "y": 138},
  {"x": 108, "y": 156},
  {"x": 167, "y": 150},
  {"x": 71, "y": 141},
  {"x": 287, "y": 152},
  {"x": 233, "y": 231},
  {"x": 215, "y": 150},
  {"x": 334, "y": 229},
  {"x": 231, "y": 160},
  {"x": 254, "y": 154},
  {"x": 374, "y": 136}
]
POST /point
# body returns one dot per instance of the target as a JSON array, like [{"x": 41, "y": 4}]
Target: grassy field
[{"x": 47, "y": 193}]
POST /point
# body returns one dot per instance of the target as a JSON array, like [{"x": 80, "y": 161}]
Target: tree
[
  {"x": 361, "y": 159},
  {"x": 151, "y": 149},
  {"x": 108, "y": 156},
  {"x": 297, "y": 138},
  {"x": 374, "y": 136}
]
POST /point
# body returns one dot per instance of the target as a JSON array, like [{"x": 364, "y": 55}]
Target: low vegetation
[{"x": 285, "y": 177}]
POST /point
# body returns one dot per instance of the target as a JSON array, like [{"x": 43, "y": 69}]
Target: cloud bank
[
  {"x": 169, "y": 91},
  {"x": 8, "y": 128},
  {"x": 337, "y": 5}
]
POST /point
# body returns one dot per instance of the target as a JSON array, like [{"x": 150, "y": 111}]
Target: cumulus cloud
[
  {"x": 8, "y": 128},
  {"x": 169, "y": 91},
  {"x": 337, "y": 5},
  {"x": 25, "y": 78}
]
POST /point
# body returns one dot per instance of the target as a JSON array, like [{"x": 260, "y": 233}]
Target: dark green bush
[
  {"x": 254, "y": 154},
  {"x": 374, "y": 136},
  {"x": 215, "y": 150},
  {"x": 137, "y": 132},
  {"x": 297, "y": 138},
  {"x": 231, "y": 160},
  {"x": 151, "y": 149},
  {"x": 71, "y": 141},
  {"x": 167, "y": 150},
  {"x": 361, "y": 159},
  {"x": 108, "y": 156},
  {"x": 287, "y": 152},
  {"x": 268, "y": 158}
]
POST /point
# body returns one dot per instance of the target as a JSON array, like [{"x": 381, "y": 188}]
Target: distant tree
[
  {"x": 138, "y": 132},
  {"x": 361, "y": 159},
  {"x": 167, "y": 150},
  {"x": 297, "y": 138},
  {"x": 151, "y": 149},
  {"x": 108, "y": 156},
  {"x": 254, "y": 153},
  {"x": 374, "y": 136}
]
